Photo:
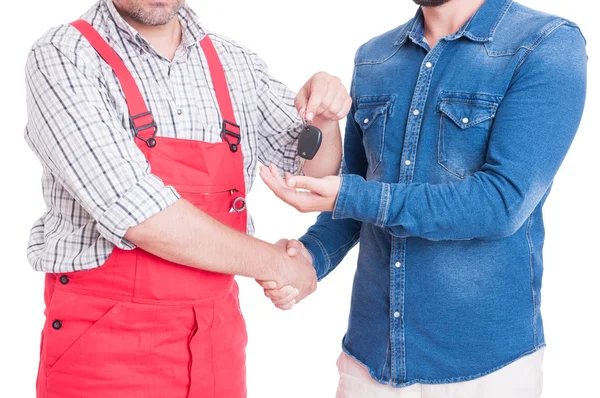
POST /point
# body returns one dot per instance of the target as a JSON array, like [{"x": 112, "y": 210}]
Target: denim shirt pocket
[
  {"x": 465, "y": 124},
  {"x": 371, "y": 115}
]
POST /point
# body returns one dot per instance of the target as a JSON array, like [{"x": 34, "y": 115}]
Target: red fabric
[
  {"x": 140, "y": 326},
  {"x": 219, "y": 82}
]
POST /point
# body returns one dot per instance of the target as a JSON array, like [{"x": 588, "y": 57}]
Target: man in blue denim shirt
[{"x": 461, "y": 119}]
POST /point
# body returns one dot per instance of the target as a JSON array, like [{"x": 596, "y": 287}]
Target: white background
[{"x": 293, "y": 354}]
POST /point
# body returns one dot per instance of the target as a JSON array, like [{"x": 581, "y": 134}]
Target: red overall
[{"x": 140, "y": 326}]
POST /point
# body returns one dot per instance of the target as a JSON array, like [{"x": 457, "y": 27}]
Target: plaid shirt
[{"x": 96, "y": 182}]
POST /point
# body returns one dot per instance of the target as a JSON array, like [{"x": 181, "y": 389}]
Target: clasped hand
[{"x": 298, "y": 277}]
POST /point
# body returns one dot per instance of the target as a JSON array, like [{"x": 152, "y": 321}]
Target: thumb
[
  {"x": 282, "y": 243},
  {"x": 294, "y": 247},
  {"x": 315, "y": 185}
]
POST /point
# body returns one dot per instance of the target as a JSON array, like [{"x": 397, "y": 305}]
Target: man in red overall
[{"x": 149, "y": 130}]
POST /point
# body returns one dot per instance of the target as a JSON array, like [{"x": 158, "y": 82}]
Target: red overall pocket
[
  {"x": 69, "y": 318},
  {"x": 106, "y": 348},
  {"x": 227, "y": 206}
]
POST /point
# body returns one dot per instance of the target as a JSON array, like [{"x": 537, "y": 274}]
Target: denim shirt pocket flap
[
  {"x": 466, "y": 115},
  {"x": 366, "y": 115},
  {"x": 468, "y": 109}
]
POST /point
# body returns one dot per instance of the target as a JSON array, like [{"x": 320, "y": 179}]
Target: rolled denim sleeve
[
  {"x": 329, "y": 240},
  {"x": 533, "y": 130}
]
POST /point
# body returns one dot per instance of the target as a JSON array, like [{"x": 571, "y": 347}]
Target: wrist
[
  {"x": 278, "y": 267},
  {"x": 325, "y": 124}
]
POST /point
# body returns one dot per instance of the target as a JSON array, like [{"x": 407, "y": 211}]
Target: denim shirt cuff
[
  {"x": 362, "y": 200},
  {"x": 321, "y": 261}
]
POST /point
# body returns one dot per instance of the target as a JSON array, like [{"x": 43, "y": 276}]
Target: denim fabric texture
[{"x": 450, "y": 153}]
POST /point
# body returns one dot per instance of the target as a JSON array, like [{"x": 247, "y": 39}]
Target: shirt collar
[
  {"x": 480, "y": 27},
  {"x": 191, "y": 30}
]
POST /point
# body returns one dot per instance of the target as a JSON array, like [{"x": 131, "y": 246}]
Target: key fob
[{"x": 309, "y": 142}]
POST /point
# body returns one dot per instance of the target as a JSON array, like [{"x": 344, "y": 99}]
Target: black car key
[{"x": 309, "y": 143}]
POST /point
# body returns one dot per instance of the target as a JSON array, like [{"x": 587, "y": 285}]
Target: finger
[
  {"x": 328, "y": 100},
  {"x": 336, "y": 104},
  {"x": 280, "y": 189},
  {"x": 288, "y": 299},
  {"x": 272, "y": 182},
  {"x": 315, "y": 185},
  {"x": 275, "y": 172},
  {"x": 301, "y": 200},
  {"x": 345, "y": 109},
  {"x": 302, "y": 99},
  {"x": 267, "y": 284},
  {"x": 287, "y": 307},
  {"x": 339, "y": 104},
  {"x": 317, "y": 94},
  {"x": 279, "y": 294},
  {"x": 294, "y": 247}
]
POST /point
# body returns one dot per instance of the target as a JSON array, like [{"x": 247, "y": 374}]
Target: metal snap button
[
  {"x": 56, "y": 324},
  {"x": 239, "y": 204},
  {"x": 64, "y": 279}
]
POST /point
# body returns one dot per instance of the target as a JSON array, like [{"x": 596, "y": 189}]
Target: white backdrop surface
[{"x": 292, "y": 354}]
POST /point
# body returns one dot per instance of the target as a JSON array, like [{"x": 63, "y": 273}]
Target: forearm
[
  {"x": 185, "y": 235},
  {"x": 328, "y": 159},
  {"x": 484, "y": 206}
]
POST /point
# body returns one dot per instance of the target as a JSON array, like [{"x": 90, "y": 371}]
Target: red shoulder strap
[
  {"x": 141, "y": 118},
  {"x": 230, "y": 130}
]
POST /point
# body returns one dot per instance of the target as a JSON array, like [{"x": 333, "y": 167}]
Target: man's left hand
[{"x": 319, "y": 194}]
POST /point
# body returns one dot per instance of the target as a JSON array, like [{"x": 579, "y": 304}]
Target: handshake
[{"x": 297, "y": 277}]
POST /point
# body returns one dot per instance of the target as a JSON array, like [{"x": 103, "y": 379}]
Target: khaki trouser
[{"x": 520, "y": 379}]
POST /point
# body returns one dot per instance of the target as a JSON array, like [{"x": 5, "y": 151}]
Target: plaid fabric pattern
[{"x": 96, "y": 182}]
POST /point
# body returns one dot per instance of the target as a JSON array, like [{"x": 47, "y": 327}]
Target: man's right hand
[{"x": 297, "y": 279}]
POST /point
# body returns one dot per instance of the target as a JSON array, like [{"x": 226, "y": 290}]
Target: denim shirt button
[
  {"x": 398, "y": 264},
  {"x": 366, "y": 121},
  {"x": 465, "y": 120},
  {"x": 396, "y": 314},
  {"x": 429, "y": 64},
  {"x": 416, "y": 112},
  {"x": 407, "y": 162}
]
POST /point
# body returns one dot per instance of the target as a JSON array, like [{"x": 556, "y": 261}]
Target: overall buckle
[
  {"x": 228, "y": 131},
  {"x": 151, "y": 142}
]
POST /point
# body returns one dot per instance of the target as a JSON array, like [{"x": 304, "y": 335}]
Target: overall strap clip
[
  {"x": 150, "y": 141},
  {"x": 230, "y": 129}
]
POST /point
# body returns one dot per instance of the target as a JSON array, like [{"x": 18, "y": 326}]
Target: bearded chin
[
  {"x": 430, "y": 3},
  {"x": 155, "y": 16}
]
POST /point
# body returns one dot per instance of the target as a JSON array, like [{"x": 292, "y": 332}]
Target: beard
[
  {"x": 151, "y": 12},
  {"x": 430, "y": 3}
]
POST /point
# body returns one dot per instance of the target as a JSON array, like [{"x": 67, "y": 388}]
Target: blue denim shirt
[{"x": 450, "y": 153}]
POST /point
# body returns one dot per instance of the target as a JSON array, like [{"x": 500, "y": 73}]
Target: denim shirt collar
[{"x": 480, "y": 27}]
